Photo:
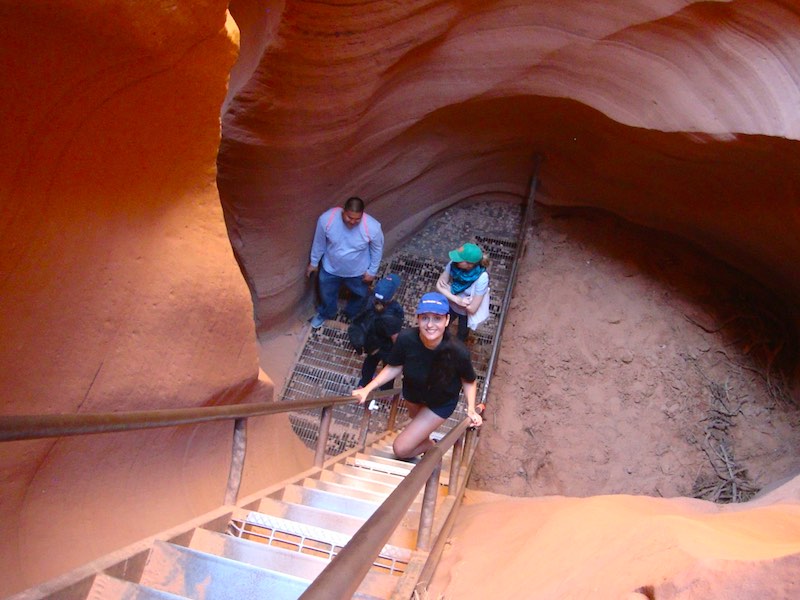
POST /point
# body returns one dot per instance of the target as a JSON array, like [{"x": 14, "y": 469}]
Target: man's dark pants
[{"x": 329, "y": 286}]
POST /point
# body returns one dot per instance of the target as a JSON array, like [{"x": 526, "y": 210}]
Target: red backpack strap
[
  {"x": 366, "y": 229},
  {"x": 334, "y": 211}
]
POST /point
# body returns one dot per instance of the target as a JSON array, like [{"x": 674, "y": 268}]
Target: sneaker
[{"x": 317, "y": 321}]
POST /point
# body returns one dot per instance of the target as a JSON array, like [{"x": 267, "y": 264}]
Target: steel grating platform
[{"x": 328, "y": 366}]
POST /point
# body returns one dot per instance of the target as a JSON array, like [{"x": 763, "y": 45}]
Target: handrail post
[
  {"x": 364, "y": 430},
  {"x": 322, "y": 437},
  {"x": 393, "y": 408},
  {"x": 237, "y": 461},
  {"x": 455, "y": 466},
  {"x": 470, "y": 441},
  {"x": 428, "y": 509}
]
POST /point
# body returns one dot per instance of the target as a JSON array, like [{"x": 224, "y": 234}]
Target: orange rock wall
[{"x": 119, "y": 290}]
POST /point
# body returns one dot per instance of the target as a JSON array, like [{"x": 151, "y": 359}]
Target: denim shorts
[{"x": 442, "y": 410}]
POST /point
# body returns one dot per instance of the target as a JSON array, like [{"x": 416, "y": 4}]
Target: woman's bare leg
[{"x": 414, "y": 440}]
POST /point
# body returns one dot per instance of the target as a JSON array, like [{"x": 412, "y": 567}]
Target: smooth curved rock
[
  {"x": 119, "y": 290},
  {"x": 678, "y": 115}
]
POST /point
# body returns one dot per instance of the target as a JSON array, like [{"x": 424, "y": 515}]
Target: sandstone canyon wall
[
  {"x": 677, "y": 115},
  {"x": 119, "y": 287}
]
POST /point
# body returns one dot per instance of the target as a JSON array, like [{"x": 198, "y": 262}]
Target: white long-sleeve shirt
[{"x": 345, "y": 251}]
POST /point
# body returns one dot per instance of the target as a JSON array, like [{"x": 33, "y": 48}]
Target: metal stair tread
[
  {"x": 389, "y": 454},
  {"x": 345, "y": 490},
  {"x": 405, "y": 535},
  {"x": 313, "y": 532},
  {"x": 329, "y": 501},
  {"x": 352, "y": 480},
  {"x": 105, "y": 586},
  {"x": 193, "y": 574},
  {"x": 394, "y": 467},
  {"x": 357, "y": 471},
  {"x": 256, "y": 554},
  {"x": 311, "y": 515},
  {"x": 362, "y": 461},
  {"x": 290, "y": 562}
]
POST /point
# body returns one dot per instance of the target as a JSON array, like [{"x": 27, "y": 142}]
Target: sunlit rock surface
[{"x": 119, "y": 288}]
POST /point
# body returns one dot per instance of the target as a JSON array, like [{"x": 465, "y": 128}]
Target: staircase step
[
  {"x": 318, "y": 541},
  {"x": 329, "y": 501},
  {"x": 380, "y": 455},
  {"x": 256, "y": 554},
  {"x": 344, "y": 490},
  {"x": 201, "y": 576},
  {"x": 362, "y": 481},
  {"x": 361, "y": 472},
  {"x": 405, "y": 536},
  {"x": 375, "y": 584},
  {"x": 383, "y": 465},
  {"x": 388, "y": 452},
  {"x": 105, "y": 587},
  {"x": 393, "y": 467},
  {"x": 319, "y": 517}
]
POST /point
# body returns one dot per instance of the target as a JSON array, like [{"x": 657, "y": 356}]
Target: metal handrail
[
  {"x": 520, "y": 251},
  {"x": 30, "y": 427}
]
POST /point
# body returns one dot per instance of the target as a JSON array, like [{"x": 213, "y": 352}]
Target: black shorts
[{"x": 441, "y": 410}]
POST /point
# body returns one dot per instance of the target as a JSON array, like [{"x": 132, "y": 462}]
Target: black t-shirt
[{"x": 416, "y": 360}]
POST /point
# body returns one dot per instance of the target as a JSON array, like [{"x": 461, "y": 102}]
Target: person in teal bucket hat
[{"x": 465, "y": 284}]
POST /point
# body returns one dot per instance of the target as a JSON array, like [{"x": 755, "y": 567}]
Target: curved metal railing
[{"x": 31, "y": 427}]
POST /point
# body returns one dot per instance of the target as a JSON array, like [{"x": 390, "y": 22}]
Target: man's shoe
[{"x": 317, "y": 321}]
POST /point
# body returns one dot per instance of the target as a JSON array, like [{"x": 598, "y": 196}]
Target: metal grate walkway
[{"x": 328, "y": 366}]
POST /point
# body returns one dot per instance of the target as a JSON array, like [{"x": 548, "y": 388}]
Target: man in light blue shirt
[{"x": 347, "y": 250}]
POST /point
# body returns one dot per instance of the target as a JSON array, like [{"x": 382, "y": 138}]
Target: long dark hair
[{"x": 443, "y": 366}]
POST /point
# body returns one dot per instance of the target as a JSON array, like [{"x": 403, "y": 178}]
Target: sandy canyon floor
[{"x": 633, "y": 364}]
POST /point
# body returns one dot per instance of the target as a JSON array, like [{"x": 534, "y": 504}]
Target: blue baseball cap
[
  {"x": 433, "y": 302},
  {"x": 386, "y": 287}
]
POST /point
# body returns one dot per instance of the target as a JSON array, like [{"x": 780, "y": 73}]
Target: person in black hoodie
[{"x": 383, "y": 319}]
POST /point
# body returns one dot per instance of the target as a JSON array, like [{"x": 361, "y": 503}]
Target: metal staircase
[{"x": 274, "y": 545}]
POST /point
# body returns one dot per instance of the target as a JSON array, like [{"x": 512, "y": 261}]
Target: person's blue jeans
[{"x": 329, "y": 286}]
